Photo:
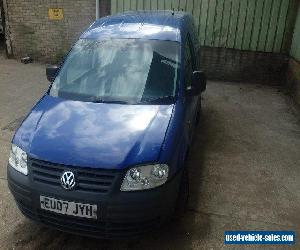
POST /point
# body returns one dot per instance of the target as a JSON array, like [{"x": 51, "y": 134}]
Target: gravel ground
[{"x": 244, "y": 168}]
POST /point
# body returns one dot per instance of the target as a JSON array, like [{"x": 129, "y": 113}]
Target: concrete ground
[{"x": 245, "y": 169}]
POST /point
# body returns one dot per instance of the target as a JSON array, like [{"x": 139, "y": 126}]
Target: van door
[{"x": 191, "y": 102}]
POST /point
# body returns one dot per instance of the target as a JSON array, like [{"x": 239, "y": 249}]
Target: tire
[
  {"x": 199, "y": 113},
  {"x": 183, "y": 196}
]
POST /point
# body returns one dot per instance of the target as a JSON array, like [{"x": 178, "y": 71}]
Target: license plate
[{"x": 68, "y": 207}]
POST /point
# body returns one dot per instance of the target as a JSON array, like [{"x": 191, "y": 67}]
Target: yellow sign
[{"x": 55, "y": 14}]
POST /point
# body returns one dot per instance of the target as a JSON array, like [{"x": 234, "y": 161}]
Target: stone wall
[{"x": 33, "y": 34}]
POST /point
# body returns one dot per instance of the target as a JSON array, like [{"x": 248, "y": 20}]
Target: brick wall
[
  {"x": 33, "y": 34},
  {"x": 237, "y": 65}
]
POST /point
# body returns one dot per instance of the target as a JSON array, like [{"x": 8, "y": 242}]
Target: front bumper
[{"x": 120, "y": 214}]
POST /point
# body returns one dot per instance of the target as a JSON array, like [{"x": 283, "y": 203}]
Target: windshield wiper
[
  {"x": 159, "y": 100},
  {"x": 99, "y": 100}
]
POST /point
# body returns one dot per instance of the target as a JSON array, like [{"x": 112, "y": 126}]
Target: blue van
[{"x": 103, "y": 152}]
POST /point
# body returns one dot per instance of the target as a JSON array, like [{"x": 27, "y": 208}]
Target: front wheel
[
  {"x": 183, "y": 196},
  {"x": 198, "y": 115}
]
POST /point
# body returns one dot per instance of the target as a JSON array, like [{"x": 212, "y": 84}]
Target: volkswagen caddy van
[{"x": 103, "y": 152}]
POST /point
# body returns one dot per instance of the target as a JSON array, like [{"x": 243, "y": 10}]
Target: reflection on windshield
[{"x": 119, "y": 71}]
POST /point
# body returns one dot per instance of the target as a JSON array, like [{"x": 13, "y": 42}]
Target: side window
[
  {"x": 188, "y": 62},
  {"x": 76, "y": 68}
]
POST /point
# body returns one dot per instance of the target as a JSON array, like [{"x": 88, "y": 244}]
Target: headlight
[
  {"x": 18, "y": 159},
  {"x": 145, "y": 177}
]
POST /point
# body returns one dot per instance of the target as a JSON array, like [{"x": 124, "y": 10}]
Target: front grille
[{"x": 88, "y": 179}]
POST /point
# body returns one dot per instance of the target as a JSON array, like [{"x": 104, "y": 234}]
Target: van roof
[{"x": 158, "y": 25}]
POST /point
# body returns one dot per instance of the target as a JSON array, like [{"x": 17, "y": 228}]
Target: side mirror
[
  {"x": 198, "y": 82},
  {"x": 51, "y": 72}
]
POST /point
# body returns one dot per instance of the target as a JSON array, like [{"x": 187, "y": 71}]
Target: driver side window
[{"x": 188, "y": 63}]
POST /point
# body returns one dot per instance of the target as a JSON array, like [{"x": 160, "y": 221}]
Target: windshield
[{"x": 120, "y": 71}]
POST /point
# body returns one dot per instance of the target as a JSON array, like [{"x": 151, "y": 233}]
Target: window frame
[{"x": 188, "y": 49}]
